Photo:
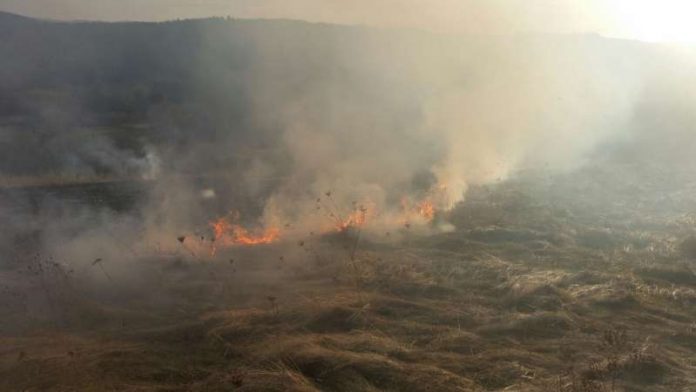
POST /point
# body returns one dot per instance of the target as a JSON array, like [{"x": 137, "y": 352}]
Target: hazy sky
[{"x": 654, "y": 20}]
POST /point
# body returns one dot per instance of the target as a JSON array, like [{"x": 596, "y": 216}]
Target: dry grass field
[{"x": 529, "y": 293}]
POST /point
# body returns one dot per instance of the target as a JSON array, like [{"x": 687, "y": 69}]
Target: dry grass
[{"x": 548, "y": 303}]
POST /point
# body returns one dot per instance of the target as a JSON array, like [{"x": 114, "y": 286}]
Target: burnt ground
[{"x": 577, "y": 283}]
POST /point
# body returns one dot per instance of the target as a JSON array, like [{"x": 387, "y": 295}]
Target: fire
[
  {"x": 228, "y": 232},
  {"x": 355, "y": 219},
  {"x": 426, "y": 209},
  {"x": 242, "y": 236},
  {"x": 220, "y": 228},
  {"x": 231, "y": 234}
]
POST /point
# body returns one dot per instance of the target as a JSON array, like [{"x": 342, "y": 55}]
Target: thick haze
[
  {"x": 653, "y": 20},
  {"x": 265, "y": 117},
  {"x": 426, "y": 188}
]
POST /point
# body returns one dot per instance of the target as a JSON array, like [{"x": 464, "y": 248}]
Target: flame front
[
  {"x": 228, "y": 232},
  {"x": 355, "y": 219},
  {"x": 231, "y": 234},
  {"x": 242, "y": 236},
  {"x": 426, "y": 209}
]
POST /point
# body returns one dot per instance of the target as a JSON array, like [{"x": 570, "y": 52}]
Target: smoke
[
  {"x": 549, "y": 105},
  {"x": 299, "y": 126},
  {"x": 387, "y": 108}
]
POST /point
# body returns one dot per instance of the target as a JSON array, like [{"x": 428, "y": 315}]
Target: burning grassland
[
  {"x": 523, "y": 295},
  {"x": 327, "y": 217},
  {"x": 226, "y": 233},
  {"x": 276, "y": 205}
]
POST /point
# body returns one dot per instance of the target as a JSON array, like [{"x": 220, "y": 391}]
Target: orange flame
[
  {"x": 355, "y": 219},
  {"x": 220, "y": 228},
  {"x": 426, "y": 209},
  {"x": 231, "y": 234},
  {"x": 242, "y": 236}
]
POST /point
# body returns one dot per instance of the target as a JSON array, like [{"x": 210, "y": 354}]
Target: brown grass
[{"x": 520, "y": 309}]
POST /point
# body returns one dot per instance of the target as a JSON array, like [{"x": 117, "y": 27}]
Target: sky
[{"x": 648, "y": 20}]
